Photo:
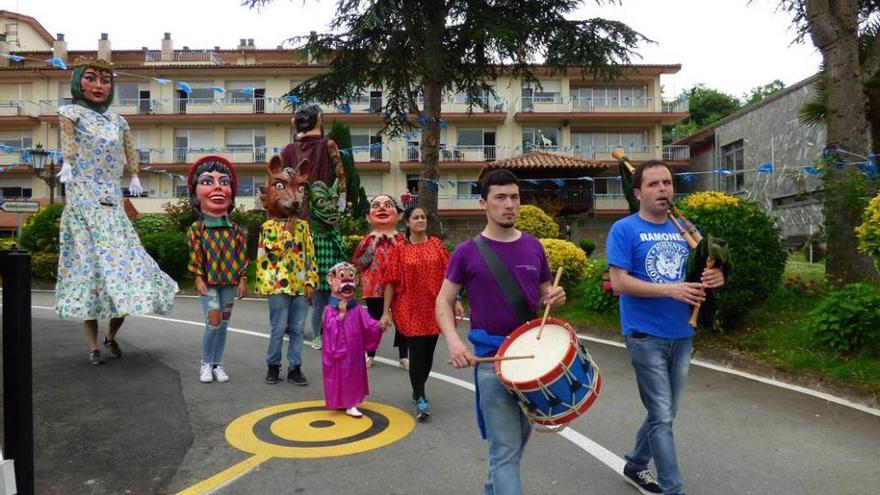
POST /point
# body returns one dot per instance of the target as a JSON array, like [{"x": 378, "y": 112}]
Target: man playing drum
[
  {"x": 493, "y": 317},
  {"x": 647, "y": 259}
]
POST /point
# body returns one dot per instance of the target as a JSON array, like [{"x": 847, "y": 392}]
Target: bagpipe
[{"x": 706, "y": 252}]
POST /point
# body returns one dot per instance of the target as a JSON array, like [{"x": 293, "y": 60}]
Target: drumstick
[
  {"x": 547, "y": 309},
  {"x": 498, "y": 358}
]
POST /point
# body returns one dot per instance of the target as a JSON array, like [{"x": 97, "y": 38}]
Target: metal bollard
[{"x": 18, "y": 407}]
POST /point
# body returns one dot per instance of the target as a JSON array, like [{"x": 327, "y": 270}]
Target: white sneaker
[
  {"x": 220, "y": 374},
  {"x": 205, "y": 374},
  {"x": 353, "y": 412}
]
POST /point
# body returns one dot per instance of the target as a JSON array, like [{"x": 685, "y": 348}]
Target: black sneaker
[
  {"x": 644, "y": 479},
  {"x": 95, "y": 357},
  {"x": 114, "y": 347},
  {"x": 296, "y": 377},
  {"x": 272, "y": 375}
]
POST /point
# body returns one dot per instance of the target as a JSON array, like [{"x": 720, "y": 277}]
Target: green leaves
[{"x": 848, "y": 320}]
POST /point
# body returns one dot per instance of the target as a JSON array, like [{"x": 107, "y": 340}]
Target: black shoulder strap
[{"x": 508, "y": 285}]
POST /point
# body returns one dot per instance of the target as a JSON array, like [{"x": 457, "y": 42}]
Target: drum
[{"x": 560, "y": 383}]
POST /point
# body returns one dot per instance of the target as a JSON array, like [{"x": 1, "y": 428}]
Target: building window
[
  {"x": 732, "y": 159},
  {"x": 19, "y": 140},
  {"x": 467, "y": 187},
  {"x": 367, "y": 145},
  {"x": 246, "y": 145},
  {"x": 372, "y": 184},
  {"x": 540, "y": 138},
  {"x": 192, "y": 140}
]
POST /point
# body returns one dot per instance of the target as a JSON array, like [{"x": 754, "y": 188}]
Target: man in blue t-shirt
[
  {"x": 499, "y": 416},
  {"x": 647, "y": 258}
]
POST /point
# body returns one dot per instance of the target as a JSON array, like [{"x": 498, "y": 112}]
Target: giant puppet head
[
  {"x": 282, "y": 197},
  {"x": 308, "y": 121},
  {"x": 384, "y": 215},
  {"x": 323, "y": 203},
  {"x": 212, "y": 183},
  {"x": 91, "y": 84},
  {"x": 342, "y": 278}
]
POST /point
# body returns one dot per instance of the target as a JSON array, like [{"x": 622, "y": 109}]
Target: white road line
[{"x": 696, "y": 362}]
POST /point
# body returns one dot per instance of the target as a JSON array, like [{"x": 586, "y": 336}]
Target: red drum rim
[
  {"x": 570, "y": 416},
  {"x": 550, "y": 376}
]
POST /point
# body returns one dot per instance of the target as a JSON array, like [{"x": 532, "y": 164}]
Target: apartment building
[{"x": 233, "y": 106}]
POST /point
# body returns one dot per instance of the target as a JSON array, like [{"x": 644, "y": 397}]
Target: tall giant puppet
[
  {"x": 324, "y": 162},
  {"x": 369, "y": 258},
  {"x": 103, "y": 271},
  {"x": 329, "y": 249}
]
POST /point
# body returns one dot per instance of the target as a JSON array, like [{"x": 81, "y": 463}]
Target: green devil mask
[
  {"x": 322, "y": 203},
  {"x": 77, "y": 92}
]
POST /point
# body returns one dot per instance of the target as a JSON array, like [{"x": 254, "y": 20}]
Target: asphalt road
[{"x": 145, "y": 424}]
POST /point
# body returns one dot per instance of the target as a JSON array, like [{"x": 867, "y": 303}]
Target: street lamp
[{"x": 39, "y": 157}]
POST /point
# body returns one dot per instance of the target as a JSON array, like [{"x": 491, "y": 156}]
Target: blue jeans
[
  {"x": 286, "y": 313},
  {"x": 320, "y": 298},
  {"x": 219, "y": 298},
  {"x": 507, "y": 431},
  {"x": 661, "y": 367}
]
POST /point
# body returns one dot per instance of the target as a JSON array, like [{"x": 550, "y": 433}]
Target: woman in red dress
[{"x": 413, "y": 275}]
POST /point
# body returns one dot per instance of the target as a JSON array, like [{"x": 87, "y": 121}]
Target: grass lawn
[{"x": 775, "y": 332}]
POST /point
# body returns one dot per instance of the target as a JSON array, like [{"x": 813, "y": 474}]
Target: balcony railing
[
  {"x": 591, "y": 104},
  {"x": 373, "y": 153},
  {"x": 234, "y": 154},
  {"x": 639, "y": 152},
  {"x": 183, "y": 57},
  {"x": 18, "y": 108},
  {"x": 143, "y": 106},
  {"x": 460, "y": 153}
]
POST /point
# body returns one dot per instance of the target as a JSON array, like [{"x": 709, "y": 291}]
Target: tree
[
  {"x": 415, "y": 50},
  {"x": 758, "y": 93},
  {"x": 357, "y": 198},
  {"x": 706, "y": 106},
  {"x": 836, "y": 28}
]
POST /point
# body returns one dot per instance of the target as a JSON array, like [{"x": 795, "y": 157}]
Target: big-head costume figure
[
  {"x": 370, "y": 256},
  {"x": 349, "y": 331},
  {"x": 218, "y": 256},
  {"x": 329, "y": 248},
  {"x": 324, "y": 162},
  {"x": 286, "y": 268}
]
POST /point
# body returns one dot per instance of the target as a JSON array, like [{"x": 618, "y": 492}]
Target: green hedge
[
  {"x": 170, "y": 250},
  {"x": 848, "y": 320}
]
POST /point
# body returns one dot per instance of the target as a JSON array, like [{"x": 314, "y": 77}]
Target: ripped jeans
[{"x": 220, "y": 298}]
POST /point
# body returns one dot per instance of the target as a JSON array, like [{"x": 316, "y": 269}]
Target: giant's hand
[
  {"x": 66, "y": 173},
  {"x": 134, "y": 187}
]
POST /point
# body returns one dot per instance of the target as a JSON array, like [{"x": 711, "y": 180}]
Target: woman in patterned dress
[
  {"x": 413, "y": 275},
  {"x": 103, "y": 271}
]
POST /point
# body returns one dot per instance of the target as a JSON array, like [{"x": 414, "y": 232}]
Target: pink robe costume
[{"x": 345, "y": 342}]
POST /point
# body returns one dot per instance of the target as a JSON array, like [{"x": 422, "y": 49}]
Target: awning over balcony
[{"x": 539, "y": 163}]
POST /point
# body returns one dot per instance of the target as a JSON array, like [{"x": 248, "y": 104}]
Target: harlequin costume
[{"x": 103, "y": 270}]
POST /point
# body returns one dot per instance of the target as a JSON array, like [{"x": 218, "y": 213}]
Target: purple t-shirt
[{"x": 490, "y": 311}]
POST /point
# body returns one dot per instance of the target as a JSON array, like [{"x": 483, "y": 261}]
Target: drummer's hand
[
  {"x": 687, "y": 292},
  {"x": 712, "y": 278},
  {"x": 555, "y": 297},
  {"x": 460, "y": 356}
]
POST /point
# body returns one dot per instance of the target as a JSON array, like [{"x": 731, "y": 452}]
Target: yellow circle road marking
[
  {"x": 310, "y": 426},
  {"x": 306, "y": 430}
]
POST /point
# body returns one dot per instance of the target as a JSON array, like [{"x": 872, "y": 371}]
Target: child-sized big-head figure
[
  {"x": 342, "y": 278},
  {"x": 212, "y": 183}
]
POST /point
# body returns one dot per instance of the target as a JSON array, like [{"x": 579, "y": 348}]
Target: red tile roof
[{"x": 543, "y": 159}]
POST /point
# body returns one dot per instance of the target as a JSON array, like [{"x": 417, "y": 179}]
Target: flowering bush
[
  {"x": 598, "y": 295},
  {"x": 869, "y": 231},
  {"x": 532, "y": 220},
  {"x": 757, "y": 256},
  {"x": 570, "y": 257},
  {"x": 801, "y": 287}
]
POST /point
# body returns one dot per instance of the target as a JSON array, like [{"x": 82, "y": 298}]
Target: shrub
[
  {"x": 44, "y": 266},
  {"x": 180, "y": 213},
  {"x": 532, "y": 220},
  {"x": 40, "y": 232},
  {"x": 251, "y": 223},
  {"x": 572, "y": 260},
  {"x": 351, "y": 243},
  {"x": 848, "y": 320},
  {"x": 8, "y": 243},
  {"x": 171, "y": 252},
  {"x": 152, "y": 223},
  {"x": 757, "y": 254},
  {"x": 869, "y": 231},
  {"x": 597, "y": 292},
  {"x": 587, "y": 246}
]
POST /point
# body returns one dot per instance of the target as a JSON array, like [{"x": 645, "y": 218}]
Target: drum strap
[{"x": 508, "y": 285}]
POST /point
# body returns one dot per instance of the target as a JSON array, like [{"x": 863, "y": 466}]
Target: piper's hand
[
  {"x": 66, "y": 173},
  {"x": 459, "y": 310},
  {"x": 712, "y": 278},
  {"x": 341, "y": 204},
  {"x": 460, "y": 356},
  {"x": 687, "y": 292},
  {"x": 134, "y": 187},
  {"x": 201, "y": 288},
  {"x": 555, "y": 297}
]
